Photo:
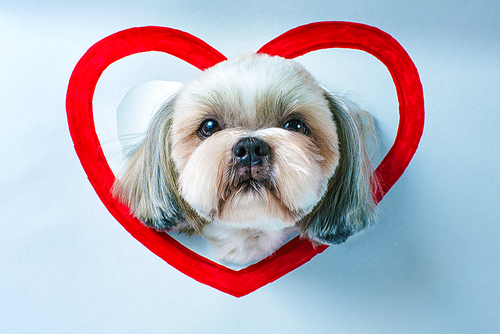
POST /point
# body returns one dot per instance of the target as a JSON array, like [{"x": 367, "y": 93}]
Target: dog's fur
[{"x": 310, "y": 170}]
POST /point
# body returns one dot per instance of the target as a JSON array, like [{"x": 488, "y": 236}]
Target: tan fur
[{"x": 178, "y": 176}]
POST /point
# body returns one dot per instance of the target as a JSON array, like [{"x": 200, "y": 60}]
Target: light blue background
[{"x": 429, "y": 265}]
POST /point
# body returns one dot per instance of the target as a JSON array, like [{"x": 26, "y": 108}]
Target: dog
[{"x": 249, "y": 151}]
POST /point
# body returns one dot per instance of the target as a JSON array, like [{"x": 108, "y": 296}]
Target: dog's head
[{"x": 253, "y": 142}]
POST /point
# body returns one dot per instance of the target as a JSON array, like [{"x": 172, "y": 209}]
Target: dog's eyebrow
[
  {"x": 292, "y": 110},
  {"x": 212, "y": 105}
]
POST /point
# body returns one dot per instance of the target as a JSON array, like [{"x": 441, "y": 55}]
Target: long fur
[
  {"x": 147, "y": 182},
  {"x": 318, "y": 181},
  {"x": 348, "y": 206}
]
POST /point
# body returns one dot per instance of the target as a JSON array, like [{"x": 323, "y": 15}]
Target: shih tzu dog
[{"x": 247, "y": 152}]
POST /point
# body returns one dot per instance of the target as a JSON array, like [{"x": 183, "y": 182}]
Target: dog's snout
[{"x": 250, "y": 151}]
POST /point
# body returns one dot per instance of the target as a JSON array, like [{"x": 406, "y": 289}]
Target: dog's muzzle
[{"x": 252, "y": 159}]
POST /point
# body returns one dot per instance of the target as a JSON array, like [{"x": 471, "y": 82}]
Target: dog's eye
[
  {"x": 208, "y": 128},
  {"x": 297, "y": 125}
]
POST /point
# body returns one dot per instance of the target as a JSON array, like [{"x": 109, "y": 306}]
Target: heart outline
[{"x": 291, "y": 44}]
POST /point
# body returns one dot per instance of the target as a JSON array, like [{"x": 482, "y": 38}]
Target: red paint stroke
[{"x": 296, "y": 42}]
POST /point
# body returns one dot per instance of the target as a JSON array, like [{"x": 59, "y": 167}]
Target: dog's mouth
[
  {"x": 249, "y": 178},
  {"x": 242, "y": 179},
  {"x": 251, "y": 195},
  {"x": 252, "y": 185}
]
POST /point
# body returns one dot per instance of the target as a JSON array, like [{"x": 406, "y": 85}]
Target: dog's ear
[
  {"x": 148, "y": 181},
  {"x": 347, "y": 206}
]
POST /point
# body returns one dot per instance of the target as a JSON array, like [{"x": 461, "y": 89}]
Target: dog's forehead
[{"x": 255, "y": 92}]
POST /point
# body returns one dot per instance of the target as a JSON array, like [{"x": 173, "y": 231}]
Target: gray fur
[
  {"x": 144, "y": 184},
  {"x": 347, "y": 207}
]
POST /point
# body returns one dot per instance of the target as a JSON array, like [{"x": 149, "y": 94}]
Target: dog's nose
[{"x": 250, "y": 151}]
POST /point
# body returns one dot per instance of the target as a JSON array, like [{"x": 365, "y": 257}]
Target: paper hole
[{"x": 138, "y": 107}]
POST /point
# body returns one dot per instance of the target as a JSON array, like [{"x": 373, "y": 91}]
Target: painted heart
[{"x": 296, "y": 42}]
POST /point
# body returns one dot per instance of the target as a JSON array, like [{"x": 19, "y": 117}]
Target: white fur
[
  {"x": 243, "y": 245},
  {"x": 317, "y": 182}
]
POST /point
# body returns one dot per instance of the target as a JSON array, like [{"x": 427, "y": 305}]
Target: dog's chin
[{"x": 251, "y": 224}]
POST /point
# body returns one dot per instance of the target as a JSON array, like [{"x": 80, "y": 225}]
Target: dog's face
[
  {"x": 253, "y": 142},
  {"x": 252, "y": 146}
]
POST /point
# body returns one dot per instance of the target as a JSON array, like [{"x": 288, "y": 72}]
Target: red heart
[{"x": 296, "y": 42}]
